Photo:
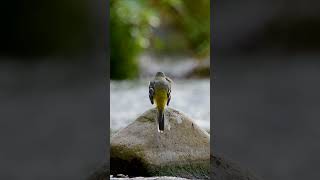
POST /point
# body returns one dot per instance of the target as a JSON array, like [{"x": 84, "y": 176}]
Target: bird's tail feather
[{"x": 161, "y": 119}]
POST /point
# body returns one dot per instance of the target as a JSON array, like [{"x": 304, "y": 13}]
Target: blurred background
[
  {"x": 147, "y": 36},
  {"x": 266, "y": 93},
  {"x": 53, "y": 100}
]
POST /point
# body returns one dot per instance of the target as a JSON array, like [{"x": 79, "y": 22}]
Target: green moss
[
  {"x": 198, "y": 169},
  {"x": 124, "y": 152}
]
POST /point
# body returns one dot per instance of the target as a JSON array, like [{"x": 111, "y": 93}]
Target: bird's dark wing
[
  {"x": 169, "y": 95},
  {"x": 151, "y": 91},
  {"x": 169, "y": 80}
]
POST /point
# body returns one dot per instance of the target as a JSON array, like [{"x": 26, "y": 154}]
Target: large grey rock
[
  {"x": 183, "y": 149},
  {"x": 221, "y": 169}
]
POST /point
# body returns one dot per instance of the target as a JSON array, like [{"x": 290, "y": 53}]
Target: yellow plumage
[{"x": 161, "y": 98}]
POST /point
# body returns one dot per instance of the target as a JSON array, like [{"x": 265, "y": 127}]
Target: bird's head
[{"x": 160, "y": 74}]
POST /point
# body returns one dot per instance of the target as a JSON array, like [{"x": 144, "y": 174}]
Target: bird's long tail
[{"x": 161, "y": 119}]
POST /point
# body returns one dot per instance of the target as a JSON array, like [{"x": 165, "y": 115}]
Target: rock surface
[
  {"x": 221, "y": 169},
  {"x": 183, "y": 149}
]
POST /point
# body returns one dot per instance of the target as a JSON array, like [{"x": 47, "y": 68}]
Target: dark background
[
  {"x": 266, "y": 86},
  {"x": 53, "y": 89}
]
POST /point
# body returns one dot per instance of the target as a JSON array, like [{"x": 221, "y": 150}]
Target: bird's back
[
  {"x": 161, "y": 84},
  {"x": 161, "y": 92}
]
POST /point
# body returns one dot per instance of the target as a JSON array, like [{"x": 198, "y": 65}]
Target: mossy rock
[
  {"x": 182, "y": 150},
  {"x": 221, "y": 169}
]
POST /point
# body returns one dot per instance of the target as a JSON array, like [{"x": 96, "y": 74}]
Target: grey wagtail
[{"x": 160, "y": 93}]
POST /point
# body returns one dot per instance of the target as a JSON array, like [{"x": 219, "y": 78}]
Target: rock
[
  {"x": 221, "y": 169},
  {"x": 183, "y": 149},
  {"x": 224, "y": 169}
]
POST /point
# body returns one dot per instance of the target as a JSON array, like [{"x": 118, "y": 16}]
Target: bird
[{"x": 160, "y": 94}]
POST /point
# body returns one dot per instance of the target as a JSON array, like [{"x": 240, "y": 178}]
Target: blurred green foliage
[
  {"x": 136, "y": 25},
  {"x": 130, "y": 27},
  {"x": 190, "y": 23}
]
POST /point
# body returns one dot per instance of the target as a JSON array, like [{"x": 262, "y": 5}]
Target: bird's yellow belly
[{"x": 161, "y": 98}]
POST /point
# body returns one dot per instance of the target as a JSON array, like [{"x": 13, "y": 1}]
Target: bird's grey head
[{"x": 160, "y": 74}]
